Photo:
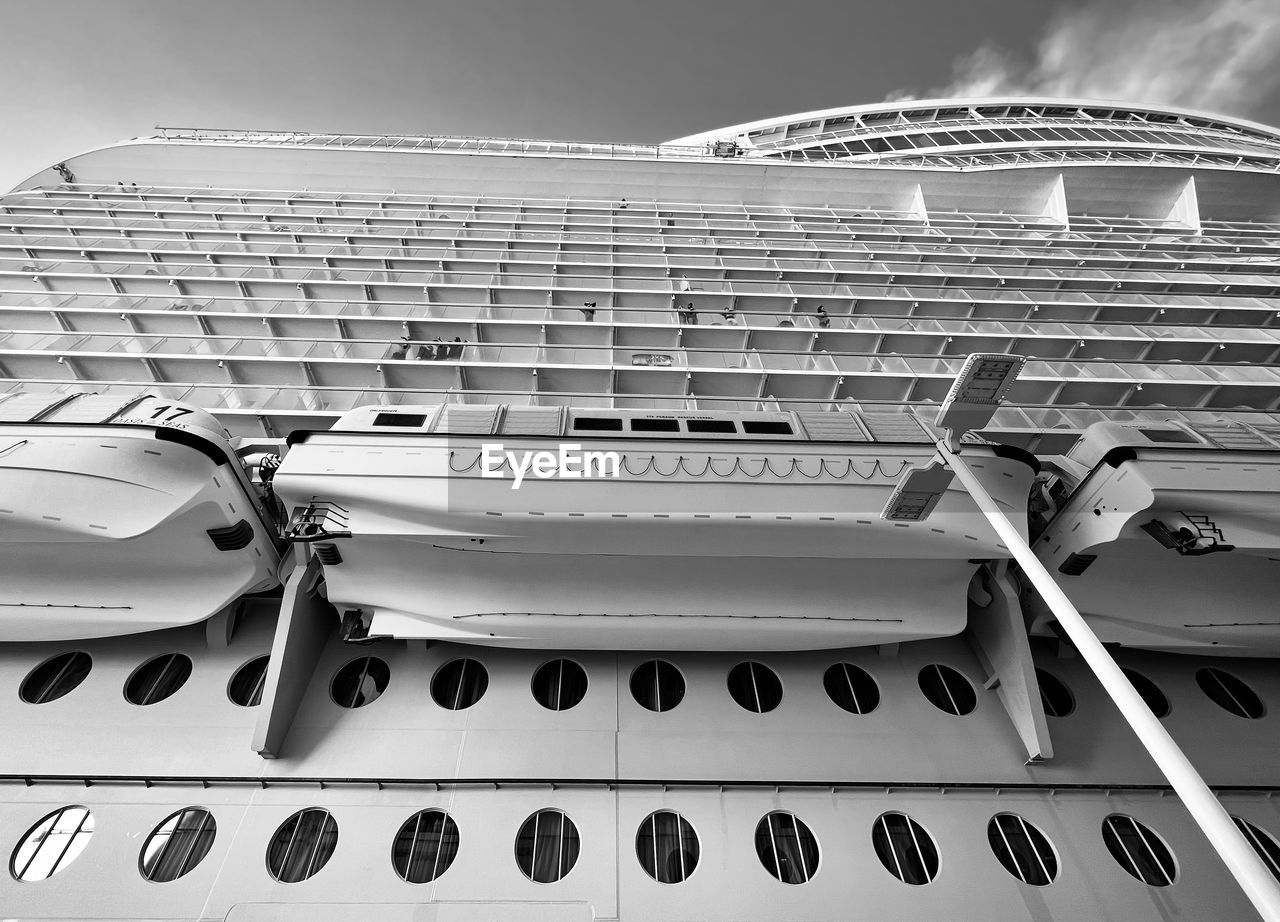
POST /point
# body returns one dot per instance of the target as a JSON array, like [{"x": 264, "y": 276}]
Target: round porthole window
[
  {"x": 667, "y": 847},
  {"x": 55, "y": 677},
  {"x": 947, "y": 689},
  {"x": 547, "y": 846},
  {"x": 1022, "y": 849},
  {"x": 157, "y": 678},
  {"x": 1230, "y": 693},
  {"x": 787, "y": 847},
  {"x": 1139, "y": 850},
  {"x": 755, "y": 687},
  {"x": 361, "y": 681},
  {"x": 302, "y": 845},
  {"x": 425, "y": 846},
  {"x": 177, "y": 845},
  {"x": 852, "y": 688},
  {"x": 1054, "y": 695},
  {"x": 52, "y": 844},
  {"x": 459, "y": 684},
  {"x": 559, "y": 684},
  {"x": 657, "y": 685},
  {"x": 245, "y": 687},
  {"x": 1149, "y": 691},
  {"x": 905, "y": 849}
]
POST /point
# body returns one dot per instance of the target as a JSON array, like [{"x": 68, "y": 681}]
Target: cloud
[{"x": 1217, "y": 55}]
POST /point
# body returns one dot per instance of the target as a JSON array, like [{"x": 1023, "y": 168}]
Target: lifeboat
[
  {"x": 122, "y": 515},
  {"x": 551, "y": 527},
  {"x": 1167, "y": 536}
]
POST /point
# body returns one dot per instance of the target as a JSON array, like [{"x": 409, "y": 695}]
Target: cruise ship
[{"x": 864, "y": 513}]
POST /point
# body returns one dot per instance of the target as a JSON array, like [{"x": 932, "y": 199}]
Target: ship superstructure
[{"x": 497, "y": 525}]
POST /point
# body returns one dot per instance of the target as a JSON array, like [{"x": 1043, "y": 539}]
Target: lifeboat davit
[
  {"x": 1167, "y": 536},
  {"x": 122, "y": 515},
  {"x": 549, "y": 527}
]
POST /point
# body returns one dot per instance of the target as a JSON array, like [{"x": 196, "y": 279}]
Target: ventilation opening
[
  {"x": 597, "y": 424},
  {"x": 765, "y": 427},
  {"x": 232, "y": 537},
  {"x": 401, "y": 420},
  {"x": 1076, "y": 564},
  {"x": 329, "y": 555},
  {"x": 711, "y": 425},
  {"x": 655, "y": 425}
]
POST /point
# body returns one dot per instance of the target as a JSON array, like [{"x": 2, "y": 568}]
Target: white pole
[{"x": 1227, "y": 840}]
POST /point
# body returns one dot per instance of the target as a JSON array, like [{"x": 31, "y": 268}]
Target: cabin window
[
  {"x": 245, "y": 687},
  {"x": 851, "y": 688},
  {"x": 711, "y": 425},
  {"x": 1149, "y": 691},
  {"x": 1023, "y": 849},
  {"x": 52, "y": 844},
  {"x": 667, "y": 847},
  {"x": 755, "y": 686},
  {"x": 55, "y": 677},
  {"x": 547, "y": 846},
  {"x": 425, "y": 846},
  {"x": 1139, "y": 850},
  {"x": 1262, "y": 843},
  {"x": 655, "y": 425},
  {"x": 765, "y": 427},
  {"x": 905, "y": 848},
  {"x": 402, "y": 420},
  {"x": 657, "y": 685},
  {"x": 459, "y": 684},
  {"x": 177, "y": 845},
  {"x": 1230, "y": 693},
  {"x": 597, "y": 424},
  {"x": 157, "y": 678},
  {"x": 1054, "y": 695},
  {"x": 947, "y": 689},
  {"x": 787, "y": 847},
  {"x": 559, "y": 684},
  {"x": 360, "y": 682},
  {"x": 302, "y": 845}
]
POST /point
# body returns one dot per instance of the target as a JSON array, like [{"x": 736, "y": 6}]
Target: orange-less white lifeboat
[
  {"x": 122, "y": 515},
  {"x": 546, "y": 527}
]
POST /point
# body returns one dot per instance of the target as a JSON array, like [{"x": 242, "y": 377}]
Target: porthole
[
  {"x": 459, "y": 684},
  {"x": 52, "y": 844},
  {"x": 905, "y": 848},
  {"x": 1149, "y": 691},
  {"x": 55, "y": 677},
  {"x": 302, "y": 845},
  {"x": 559, "y": 684},
  {"x": 1230, "y": 693},
  {"x": 245, "y": 687},
  {"x": 1054, "y": 695},
  {"x": 851, "y": 688},
  {"x": 947, "y": 689},
  {"x": 157, "y": 678},
  {"x": 1023, "y": 849},
  {"x": 755, "y": 686},
  {"x": 425, "y": 846},
  {"x": 1263, "y": 843},
  {"x": 667, "y": 847},
  {"x": 547, "y": 846},
  {"x": 362, "y": 681},
  {"x": 657, "y": 685},
  {"x": 1139, "y": 850},
  {"x": 177, "y": 845},
  {"x": 787, "y": 847}
]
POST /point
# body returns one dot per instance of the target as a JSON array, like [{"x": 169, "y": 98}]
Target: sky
[{"x": 77, "y": 74}]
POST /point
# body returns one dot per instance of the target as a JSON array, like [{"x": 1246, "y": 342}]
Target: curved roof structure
[{"x": 975, "y": 132}]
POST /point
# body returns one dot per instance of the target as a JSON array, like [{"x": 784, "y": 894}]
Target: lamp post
[{"x": 972, "y": 401}]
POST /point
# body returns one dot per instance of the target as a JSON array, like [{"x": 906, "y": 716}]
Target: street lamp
[{"x": 973, "y": 400}]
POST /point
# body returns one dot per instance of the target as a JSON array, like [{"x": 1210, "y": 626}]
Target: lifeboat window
[
  {"x": 1262, "y": 843},
  {"x": 947, "y": 689},
  {"x": 52, "y": 844},
  {"x": 547, "y": 846},
  {"x": 1023, "y": 849},
  {"x": 55, "y": 677},
  {"x": 459, "y": 684},
  {"x": 851, "y": 688},
  {"x": 245, "y": 687},
  {"x": 177, "y": 845},
  {"x": 765, "y": 427},
  {"x": 1149, "y": 691},
  {"x": 360, "y": 682},
  {"x": 402, "y": 420},
  {"x": 1054, "y": 695},
  {"x": 787, "y": 847},
  {"x": 655, "y": 425},
  {"x": 1230, "y": 693},
  {"x": 1139, "y": 850},
  {"x": 597, "y": 424},
  {"x": 905, "y": 849},
  {"x": 157, "y": 678},
  {"x": 302, "y": 845},
  {"x": 667, "y": 847},
  {"x": 711, "y": 425},
  {"x": 657, "y": 685},
  {"x": 755, "y": 686},
  {"x": 425, "y": 846},
  {"x": 559, "y": 684}
]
